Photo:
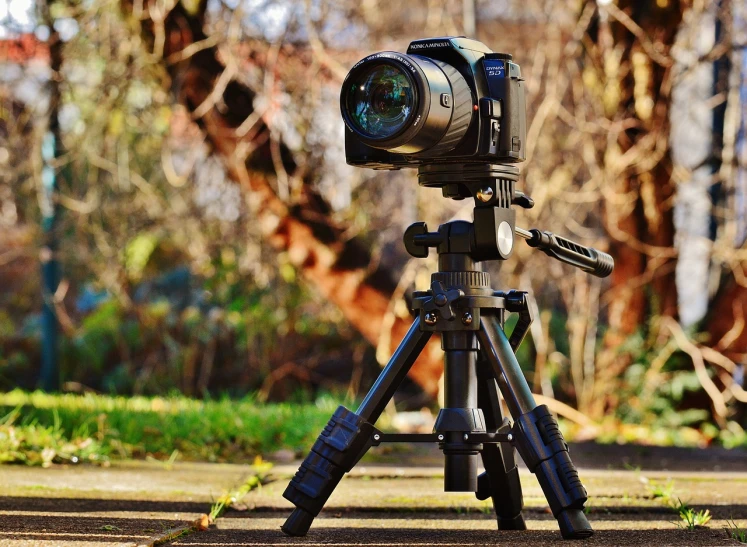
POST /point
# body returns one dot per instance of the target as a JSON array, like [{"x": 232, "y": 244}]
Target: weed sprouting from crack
[
  {"x": 690, "y": 518},
  {"x": 736, "y": 532},
  {"x": 664, "y": 492},
  {"x": 234, "y": 496}
]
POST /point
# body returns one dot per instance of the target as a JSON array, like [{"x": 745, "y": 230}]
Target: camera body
[{"x": 462, "y": 103}]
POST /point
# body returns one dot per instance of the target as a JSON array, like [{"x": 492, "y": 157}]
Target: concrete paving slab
[
  {"x": 144, "y": 480},
  {"x": 125, "y": 504},
  {"x": 419, "y": 491},
  {"x": 437, "y": 530},
  {"x": 376, "y": 504},
  {"x": 385, "y": 505},
  {"x": 80, "y": 528}
]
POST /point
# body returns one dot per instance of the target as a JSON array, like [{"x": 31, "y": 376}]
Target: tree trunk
[
  {"x": 630, "y": 44},
  {"x": 726, "y": 318},
  {"x": 337, "y": 267}
]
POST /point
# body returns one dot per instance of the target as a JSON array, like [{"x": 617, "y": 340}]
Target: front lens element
[{"x": 380, "y": 100}]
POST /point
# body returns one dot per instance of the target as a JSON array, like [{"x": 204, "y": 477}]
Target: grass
[
  {"x": 690, "y": 519},
  {"x": 665, "y": 491},
  {"x": 41, "y": 429},
  {"x": 38, "y": 444},
  {"x": 736, "y": 532},
  {"x": 234, "y": 497}
]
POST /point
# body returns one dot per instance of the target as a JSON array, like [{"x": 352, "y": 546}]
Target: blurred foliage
[
  {"x": 224, "y": 339},
  {"x": 167, "y": 282},
  {"x": 169, "y": 287}
]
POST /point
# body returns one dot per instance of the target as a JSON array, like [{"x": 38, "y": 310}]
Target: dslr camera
[{"x": 447, "y": 100}]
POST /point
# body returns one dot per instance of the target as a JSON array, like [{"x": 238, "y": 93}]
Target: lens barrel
[{"x": 406, "y": 104}]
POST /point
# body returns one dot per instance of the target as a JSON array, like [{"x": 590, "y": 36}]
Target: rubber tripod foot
[
  {"x": 574, "y": 524},
  {"x": 298, "y": 523},
  {"x": 515, "y": 523}
]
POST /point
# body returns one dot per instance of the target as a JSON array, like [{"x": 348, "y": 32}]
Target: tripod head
[{"x": 491, "y": 234}]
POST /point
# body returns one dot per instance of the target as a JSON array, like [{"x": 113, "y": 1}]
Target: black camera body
[{"x": 447, "y": 100}]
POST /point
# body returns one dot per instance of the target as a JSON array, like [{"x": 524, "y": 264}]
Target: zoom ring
[{"x": 462, "y": 114}]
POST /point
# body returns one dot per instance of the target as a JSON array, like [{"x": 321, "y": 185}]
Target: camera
[{"x": 447, "y": 100}]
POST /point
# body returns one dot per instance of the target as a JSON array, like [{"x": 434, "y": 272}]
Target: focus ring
[{"x": 462, "y": 113}]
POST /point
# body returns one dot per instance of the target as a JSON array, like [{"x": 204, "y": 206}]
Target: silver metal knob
[{"x": 485, "y": 194}]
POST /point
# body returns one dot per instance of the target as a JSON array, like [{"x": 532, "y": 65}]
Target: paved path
[
  {"x": 127, "y": 504},
  {"x": 404, "y": 506},
  {"x": 376, "y": 505}
]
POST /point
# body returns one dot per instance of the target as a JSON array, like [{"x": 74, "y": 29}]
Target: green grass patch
[
  {"x": 98, "y": 427},
  {"x": 38, "y": 444}
]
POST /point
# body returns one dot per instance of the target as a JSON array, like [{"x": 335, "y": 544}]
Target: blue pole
[{"x": 50, "y": 271}]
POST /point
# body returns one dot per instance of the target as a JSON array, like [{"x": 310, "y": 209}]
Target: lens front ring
[
  {"x": 381, "y": 106},
  {"x": 420, "y": 99},
  {"x": 428, "y": 116}
]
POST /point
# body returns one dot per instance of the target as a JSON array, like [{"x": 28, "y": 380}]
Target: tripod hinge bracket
[{"x": 516, "y": 302}]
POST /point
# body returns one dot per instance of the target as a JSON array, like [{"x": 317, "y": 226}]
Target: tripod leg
[
  {"x": 536, "y": 434},
  {"x": 501, "y": 477},
  {"x": 346, "y": 438}
]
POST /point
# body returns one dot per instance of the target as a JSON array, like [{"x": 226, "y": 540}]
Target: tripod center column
[
  {"x": 460, "y": 369},
  {"x": 460, "y": 415}
]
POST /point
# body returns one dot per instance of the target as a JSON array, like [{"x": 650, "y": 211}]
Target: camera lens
[
  {"x": 380, "y": 100},
  {"x": 406, "y": 104}
]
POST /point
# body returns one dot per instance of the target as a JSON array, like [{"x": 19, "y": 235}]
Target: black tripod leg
[
  {"x": 501, "y": 477},
  {"x": 346, "y": 438},
  {"x": 536, "y": 434}
]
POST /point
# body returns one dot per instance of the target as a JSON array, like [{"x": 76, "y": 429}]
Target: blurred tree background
[{"x": 174, "y": 196}]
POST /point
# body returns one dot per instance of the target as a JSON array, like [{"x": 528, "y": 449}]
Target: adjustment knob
[
  {"x": 522, "y": 200},
  {"x": 414, "y": 249},
  {"x": 441, "y": 301},
  {"x": 418, "y": 239}
]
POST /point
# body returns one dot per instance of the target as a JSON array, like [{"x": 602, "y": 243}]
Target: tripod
[{"x": 480, "y": 367}]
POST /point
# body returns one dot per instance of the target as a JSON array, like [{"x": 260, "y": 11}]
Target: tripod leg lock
[
  {"x": 542, "y": 447},
  {"x": 344, "y": 441}
]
